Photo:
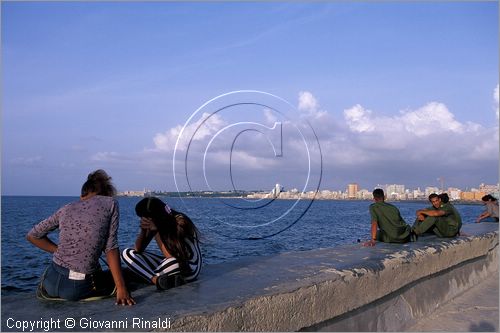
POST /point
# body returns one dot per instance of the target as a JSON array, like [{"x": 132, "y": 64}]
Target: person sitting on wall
[
  {"x": 444, "y": 198},
  {"x": 387, "y": 224},
  {"x": 177, "y": 237},
  {"x": 87, "y": 228},
  {"x": 442, "y": 218},
  {"x": 491, "y": 212}
]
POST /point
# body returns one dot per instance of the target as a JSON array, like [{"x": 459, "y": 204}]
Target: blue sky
[{"x": 396, "y": 92}]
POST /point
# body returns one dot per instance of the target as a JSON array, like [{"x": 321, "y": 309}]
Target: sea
[{"x": 230, "y": 228}]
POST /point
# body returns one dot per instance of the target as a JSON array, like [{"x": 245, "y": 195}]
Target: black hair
[
  {"x": 488, "y": 197},
  {"x": 174, "y": 227},
  {"x": 378, "y": 193},
  {"x": 444, "y": 197},
  {"x": 434, "y": 195}
]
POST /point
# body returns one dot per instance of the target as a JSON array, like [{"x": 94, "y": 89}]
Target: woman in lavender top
[{"x": 86, "y": 228}]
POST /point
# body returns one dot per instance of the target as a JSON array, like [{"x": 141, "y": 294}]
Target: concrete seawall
[{"x": 346, "y": 288}]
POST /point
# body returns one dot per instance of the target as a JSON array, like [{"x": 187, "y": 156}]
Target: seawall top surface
[{"x": 231, "y": 284}]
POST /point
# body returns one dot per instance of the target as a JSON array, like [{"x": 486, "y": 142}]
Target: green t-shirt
[
  {"x": 392, "y": 226},
  {"x": 452, "y": 216}
]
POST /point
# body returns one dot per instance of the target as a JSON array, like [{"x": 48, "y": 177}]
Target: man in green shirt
[
  {"x": 387, "y": 224},
  {"x": 442, "y": 219}
]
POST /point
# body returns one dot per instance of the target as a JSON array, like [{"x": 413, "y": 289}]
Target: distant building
[
  {"x": 488, "y": 189},
  {"x": 132, "y": 193},
  {"x": 418, "y": 194},
  {"x": 454, "y": 193},
  {"x": 352, "y": 190},
  {"x": 472, "y": 195},
  {"x": 395, "y": 191},
  {"x": 277, "y": 190},
  {"x": 364, "y": 194},
  {"x": 430, "y": 190}
]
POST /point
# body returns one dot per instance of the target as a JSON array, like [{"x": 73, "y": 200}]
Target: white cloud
[
  {"x": 310, "y": 108},
  {"x": 430, "y": 132},
  {"x": 245, "y": 159},
  {"x": 431, "y": 118},
  {"x": 270, "y": 117},
  {"x": 307, "y": 102},
  {"x": 107, "y": 157},
  {"x": 27, "y": 161},
  {"x": 206, "y": 126},
  {"x": 358, "y": 119},
  {"x": 404, "y": 143}
]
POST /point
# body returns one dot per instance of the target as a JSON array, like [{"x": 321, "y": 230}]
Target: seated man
[
  {"x": 442, "y": 219},
  {"x": 387, "y": 224}
]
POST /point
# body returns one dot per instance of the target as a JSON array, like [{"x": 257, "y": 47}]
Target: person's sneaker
[
  {"x": 413, "y": 236},
  {"x": 164, "y": 282}
]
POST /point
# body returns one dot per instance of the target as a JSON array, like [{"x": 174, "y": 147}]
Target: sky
[{"x": 376, "y": 93}]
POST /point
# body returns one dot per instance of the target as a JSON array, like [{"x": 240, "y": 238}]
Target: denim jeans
[
  {"x": 490, "y": 219},
  {"x": 57, "y": 284}
]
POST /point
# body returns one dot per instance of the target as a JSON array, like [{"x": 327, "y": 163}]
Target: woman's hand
[
  {"x": 148, "y": 224},
  {"x": 123, "y": 297},
  {"x": 371, "y": 242},
  {"x": 148, "y": 231}
]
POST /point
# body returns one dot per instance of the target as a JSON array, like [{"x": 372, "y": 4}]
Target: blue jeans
[
  {"x": 56, "y": 282},
  {"x": 490, "y": 219}
]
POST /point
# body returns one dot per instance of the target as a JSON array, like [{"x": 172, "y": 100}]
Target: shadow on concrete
[{"x": 483, "y": 326}]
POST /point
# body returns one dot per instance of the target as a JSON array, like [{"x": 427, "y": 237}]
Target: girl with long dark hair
[
  {"x": 491, "y": 212},
  {"x": 177, "y": 238}
]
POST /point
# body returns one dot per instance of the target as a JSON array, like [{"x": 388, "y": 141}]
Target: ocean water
[{"x": 225, "y": 225}]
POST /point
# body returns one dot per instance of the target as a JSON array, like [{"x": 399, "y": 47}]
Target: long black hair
[
  {"x": 174, "y": 227},
  {"x": 489, "y": 197}
]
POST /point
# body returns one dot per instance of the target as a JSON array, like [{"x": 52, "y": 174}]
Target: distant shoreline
[
  {"x": 461, "y": 202},
  {"x": 172, "y": 195}
]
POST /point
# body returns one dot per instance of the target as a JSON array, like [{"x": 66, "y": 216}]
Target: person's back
[
  {"x": 87, "y": 228},
  {"x": 92, "y": 222},
  {"x": 491, "y": 212},
  {"x": 452, "y": 220},
  {"x": 492, "y": 209},
  {"x": 393, "y": 228}
]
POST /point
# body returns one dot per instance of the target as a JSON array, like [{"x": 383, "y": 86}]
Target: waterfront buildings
[
  {"x": 393, "y": 192},
  {"x": 352, "y": 192}
]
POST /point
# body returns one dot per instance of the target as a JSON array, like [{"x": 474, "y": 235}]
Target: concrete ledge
[{"x": 349, "y": 288}]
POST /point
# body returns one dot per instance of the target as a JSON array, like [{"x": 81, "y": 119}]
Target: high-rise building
[
  {"x": 395, "y": 189},
  {"x": 277, "y": 190},
  {"x": 352, "y": 190}
]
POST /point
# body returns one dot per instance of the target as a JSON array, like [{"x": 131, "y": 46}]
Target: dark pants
[
  {"x": 382, "y": 236},
  {"x": 56, "y": 282},
  {"x": 441, "y": 226}
]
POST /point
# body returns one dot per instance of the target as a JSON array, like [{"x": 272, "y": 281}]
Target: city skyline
[
  {"x": 392, "y": 92},
  {"x": 489, "y": 188}
]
